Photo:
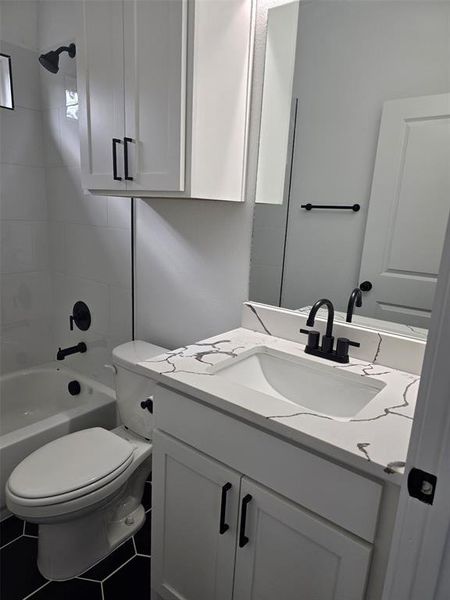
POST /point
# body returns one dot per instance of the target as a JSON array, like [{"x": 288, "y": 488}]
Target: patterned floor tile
[
  {"x": 20, "y": 575},
  {"x": 112, "y": 562},
  {"x": 74, "y": 589},
  {"x": 10, "y": 529},
  {"x": 131, "y": 581},
  {"x": 142, "y": 538}
]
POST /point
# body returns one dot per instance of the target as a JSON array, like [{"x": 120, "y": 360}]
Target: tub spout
[{"x": 62, "y": 353}]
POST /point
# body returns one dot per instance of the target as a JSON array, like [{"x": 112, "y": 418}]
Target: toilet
[{"x": 85, "y": 488}]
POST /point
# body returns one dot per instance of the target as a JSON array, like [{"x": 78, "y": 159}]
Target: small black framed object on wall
[{"x": 6, "y": 84}]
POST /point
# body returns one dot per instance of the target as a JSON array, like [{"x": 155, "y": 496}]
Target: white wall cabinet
[
  {"x": 272, "y": 549},
  {"x": 164, "y": 97},
  {"x": 131, "y": 69},
  {"x": 101, "y": 93}
]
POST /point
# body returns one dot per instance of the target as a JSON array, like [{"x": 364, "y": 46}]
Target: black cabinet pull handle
[
  {"x": 223, "y": 527},
  {"x": 243, "y": 539},
  {"x": 115, "y": 141},
  {"x": 126, "y": 140}
]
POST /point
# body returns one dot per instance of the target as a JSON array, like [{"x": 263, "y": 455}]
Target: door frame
[{"x": 421, "y": 537}]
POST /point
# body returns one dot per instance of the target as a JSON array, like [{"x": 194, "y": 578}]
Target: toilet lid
[{"x": 70, "y": 463}]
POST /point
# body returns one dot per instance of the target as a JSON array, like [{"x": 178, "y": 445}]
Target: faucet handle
[
  {"x": 313, "y": 338},
  {"x": 342, "y": 346}
]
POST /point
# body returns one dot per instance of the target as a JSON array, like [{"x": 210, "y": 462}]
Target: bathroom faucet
[
  {"x": 354, "y": 300},
  {"x": 326, "y": 349},
  {"x": 62, "y": 353}
]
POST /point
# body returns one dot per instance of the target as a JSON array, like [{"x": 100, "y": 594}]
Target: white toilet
[{"x": 85, "y": 489}]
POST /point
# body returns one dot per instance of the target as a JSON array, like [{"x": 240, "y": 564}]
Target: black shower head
[{"x": 50, "y": 60}]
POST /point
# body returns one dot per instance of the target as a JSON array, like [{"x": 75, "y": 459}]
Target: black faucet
[
  {"x": 354, "y": 300},
  {"x": 326, "y": 349},
  {"x": 62, "y": 353}
]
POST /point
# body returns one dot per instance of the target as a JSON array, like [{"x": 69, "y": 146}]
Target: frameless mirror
[
  {"x": 6, "y": 86},
  {"x": 353, "y": 186}
]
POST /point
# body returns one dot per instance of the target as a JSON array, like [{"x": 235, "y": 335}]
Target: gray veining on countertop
[{"x": 375, "y": 440}]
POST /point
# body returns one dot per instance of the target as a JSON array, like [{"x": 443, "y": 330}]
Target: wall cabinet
[
  {"x": 164, "y": 97},
  {"x": 131, "y": 71},
  {"x": 217, "y": 535}
]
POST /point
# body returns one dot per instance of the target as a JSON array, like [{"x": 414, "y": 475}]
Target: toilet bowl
[{"x": 85, "y": 489}]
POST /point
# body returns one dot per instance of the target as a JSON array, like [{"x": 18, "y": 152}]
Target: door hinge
[{"x": 422, "y": 485}]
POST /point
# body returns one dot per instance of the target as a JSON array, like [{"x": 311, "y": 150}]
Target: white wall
[
  {"x": 90, "y": 236},
  {"x": 59, "y": 244},
  {"x": 193, "y": 256},
  {"x": 25, "y": 281},
  {"x": 351, "y": 56},
  {"x": 18, "y": 23}
]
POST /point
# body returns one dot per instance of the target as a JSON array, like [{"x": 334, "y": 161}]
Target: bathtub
[{"x": 36, "y": 407}]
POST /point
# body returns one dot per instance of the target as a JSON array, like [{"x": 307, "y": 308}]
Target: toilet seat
[{"x": 70, "y": 467}]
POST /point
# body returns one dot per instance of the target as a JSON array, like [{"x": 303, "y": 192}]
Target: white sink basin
[{"x": 302, "y": 382}]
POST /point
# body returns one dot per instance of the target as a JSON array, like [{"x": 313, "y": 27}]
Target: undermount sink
[{"x": 303, "y": 383}]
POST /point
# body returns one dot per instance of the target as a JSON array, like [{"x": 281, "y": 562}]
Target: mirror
[
  {"x": 353, "y": 188},
  {"x": 6, "y": 86}
]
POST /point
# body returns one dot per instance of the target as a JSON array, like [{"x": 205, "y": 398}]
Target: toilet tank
[{"x": 132, "y": 388}]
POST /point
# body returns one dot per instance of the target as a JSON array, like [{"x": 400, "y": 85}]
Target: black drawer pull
[
  {"x": 223, "y": 527},
  {"x": 243, "y": 539},
  {"x": 115, "y": 141},
  {"x": 126, "y": 140}
]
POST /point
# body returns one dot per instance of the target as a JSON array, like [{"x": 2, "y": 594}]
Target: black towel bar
[{"x": 354, "y": 207}]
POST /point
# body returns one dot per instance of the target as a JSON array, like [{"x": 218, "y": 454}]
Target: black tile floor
[{"x": 127, "y": 567}]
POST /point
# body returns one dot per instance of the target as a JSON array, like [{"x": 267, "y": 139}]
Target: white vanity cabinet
[
  {"x": 289, "y": 553},
  {"x": 195, "y": 561},
  {"x": 296, "y": 525},
  {"x": 164, "y": 97}
]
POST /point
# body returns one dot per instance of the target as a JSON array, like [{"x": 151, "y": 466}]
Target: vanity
[{"x": 277, "y": 473}]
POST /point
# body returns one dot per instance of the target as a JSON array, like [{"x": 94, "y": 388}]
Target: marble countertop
[{"x": 375, "y": 440}]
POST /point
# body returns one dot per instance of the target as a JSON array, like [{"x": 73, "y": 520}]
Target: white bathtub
[{"x": 36, "y": 407}]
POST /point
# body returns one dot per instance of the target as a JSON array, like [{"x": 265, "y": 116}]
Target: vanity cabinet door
[
  {"x": 101, "y": 93},
  {"x": 194, "y": 546},
  {"x": 155, "y": 94},
  {"x": 288, "y": 553}
]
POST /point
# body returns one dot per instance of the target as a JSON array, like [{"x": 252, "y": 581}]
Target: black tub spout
[{"x": 62, "y": 353}]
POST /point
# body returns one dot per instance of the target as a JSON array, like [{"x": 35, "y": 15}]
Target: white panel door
[
  {"x": 101, "y": 89},
  {"x": 155, "y": 90},
  {"x": 192, "y": 559},
  {"x": 289, "y": 554},
  {"x": 409, "y": 209}
]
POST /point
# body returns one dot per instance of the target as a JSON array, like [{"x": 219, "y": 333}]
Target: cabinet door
[
  {"x": 101, "y": 86},
  {"x": 155, "y": 93},
  {"x": 291, "y": 554},
  {"x": 192, "y": 559}
]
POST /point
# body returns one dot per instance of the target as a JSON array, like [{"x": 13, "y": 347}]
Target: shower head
[{"x": 50, "y": 60}]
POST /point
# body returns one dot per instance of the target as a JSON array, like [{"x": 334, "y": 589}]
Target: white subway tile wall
[
  {"x": 26, "y": 298},
  {"x": 59, "y": 244}
]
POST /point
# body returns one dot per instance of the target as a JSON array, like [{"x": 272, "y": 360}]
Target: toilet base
[{"x": 66, "y": 550}]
